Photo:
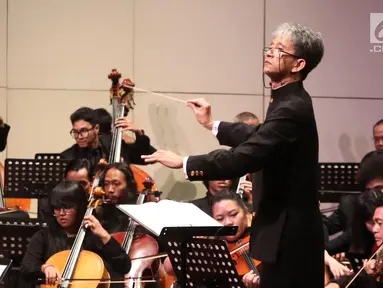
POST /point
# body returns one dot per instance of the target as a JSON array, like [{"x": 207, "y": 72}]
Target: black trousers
[{"x": 300, "y": 261}]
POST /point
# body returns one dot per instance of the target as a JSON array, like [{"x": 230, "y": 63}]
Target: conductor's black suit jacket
[{"x": 283, "y": 151}]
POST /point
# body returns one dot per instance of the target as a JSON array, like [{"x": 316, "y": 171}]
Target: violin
[
  {"x": 139, "y": 245},
  {"x": 241, "y": 257},
  {"x": 81, "y": 264}
]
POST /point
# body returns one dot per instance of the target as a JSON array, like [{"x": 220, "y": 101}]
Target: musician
[
  {"x": 378, "y": 135},
  {"x": 367, "y": 278},
  {"x": 92, "y": 146},
  {"x": 287, "y": 227},
  {"x": 79, "y": 170},
  {"x": 213, "y": 187},
  {"x": 120, "y": 188},
  {"x": 76, "y": 170},
  {"x": 67, "y": 205},
  {"x": 4, "y": 130},
  {"x": 229, "y": 210},
  {"x": 247, "y": 186},
  {"x": 370, "y": 177},
  {"x": 247, "y": 118},
  {"x": 105, "y": 120}
]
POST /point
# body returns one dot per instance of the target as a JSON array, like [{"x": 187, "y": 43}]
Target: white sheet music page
[
  {"x": 168, "y": 213},
  {"x": 2, "y": 268}
]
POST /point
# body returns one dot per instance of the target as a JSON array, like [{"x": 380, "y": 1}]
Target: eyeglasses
[
  {"x": 377, "y": 138},
  {"x": 84, "y": 132},
  {"x": 277, "y": 52},
  {"x": 68, "y": 209}
]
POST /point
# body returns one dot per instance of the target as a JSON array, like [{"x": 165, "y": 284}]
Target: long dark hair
[
  {"x": 130, "y": 193},
  {"x": 65, "y": 194}
]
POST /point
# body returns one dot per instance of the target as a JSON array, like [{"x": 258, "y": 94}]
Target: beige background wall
[{"x": 55, "y": 57}]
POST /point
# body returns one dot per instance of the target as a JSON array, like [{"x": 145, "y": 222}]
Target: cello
[
  {"x": 139, "y": 245},
  {"x": 77, "y": 264}
]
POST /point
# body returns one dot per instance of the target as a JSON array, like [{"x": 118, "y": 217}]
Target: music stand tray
[
  {"x": 32, "y": 178},
  {"x": 201, "y": 262},
  {"x": 337, "y": 180}
]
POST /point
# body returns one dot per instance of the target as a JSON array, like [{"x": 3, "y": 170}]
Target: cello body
[
  {"x": 89, "y": 266},
  {"x": 143, "y": 245}
]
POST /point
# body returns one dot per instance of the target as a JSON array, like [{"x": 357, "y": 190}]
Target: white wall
[{"x": 55, "y": 57}]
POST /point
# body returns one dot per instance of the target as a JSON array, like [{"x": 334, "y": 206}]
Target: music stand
[
  {"x": 32, "y": 178},
  {"x": 337, "y": 180},
  {"x": 201, "y": 262},
  {"x": 15, "y": 237}
]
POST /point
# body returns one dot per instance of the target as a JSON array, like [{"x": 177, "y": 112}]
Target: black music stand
[
  {"x": 337, "y": 180},
  {"x": 201, "y": 262},
  {"x": 15, "y": 237},
  {"x": 32, "y": 178}
]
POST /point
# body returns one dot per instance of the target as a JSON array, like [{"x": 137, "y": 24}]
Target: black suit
[
  {"x": 340, "y": 220},
  {"x": 3, "y": 136},
  {"x": 287, "y": 229}
]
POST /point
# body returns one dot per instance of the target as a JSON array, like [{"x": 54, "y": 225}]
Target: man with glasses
[
  {"x": 92, "y": 146},
  {"x": 287, "y": 232},
  {"x": 378, "y": 135}
]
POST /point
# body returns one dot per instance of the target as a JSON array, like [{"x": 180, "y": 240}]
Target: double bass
[
  {"x": 142, "y": 245},
  {"x": 122, "y": 100}
]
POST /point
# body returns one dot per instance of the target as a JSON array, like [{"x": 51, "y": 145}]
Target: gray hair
[{"x": 307, "y": 43}]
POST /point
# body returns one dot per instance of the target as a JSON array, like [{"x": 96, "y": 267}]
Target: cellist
[
  {"x": 76, "y": 170},
  {"x": 68, "y": 203}
]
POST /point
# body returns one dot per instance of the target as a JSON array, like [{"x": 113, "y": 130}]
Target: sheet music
[
  {"x": 168, "y": 213},
  {"x": 2, "y": 269}
]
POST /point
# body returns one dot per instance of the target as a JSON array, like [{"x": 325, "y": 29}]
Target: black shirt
[
  {"x": 131, "y": 153},
  {"x": 41, "y": 248}
]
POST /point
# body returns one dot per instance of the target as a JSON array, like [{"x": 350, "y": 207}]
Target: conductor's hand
[
  {"x": 90, "y": 222},
  {"x": 166, "y": 158},
  {"x": 202, "y": 111},
  {"x": 51, "y": 274},
  {"x": 251, "y": 280}
]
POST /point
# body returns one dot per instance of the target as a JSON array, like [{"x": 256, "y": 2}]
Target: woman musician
[
  {"x": 229, "y": 210},
  {"x": 68, "y": 204}
]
